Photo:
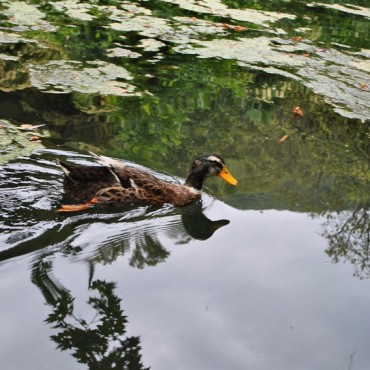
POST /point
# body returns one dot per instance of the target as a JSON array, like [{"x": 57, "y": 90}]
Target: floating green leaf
[
  {"x": 74, "y": 9},
  {"x": 95, "y": 78},
  {"x": 27, "y": 16},
  {"x": 15, "y": 142}
]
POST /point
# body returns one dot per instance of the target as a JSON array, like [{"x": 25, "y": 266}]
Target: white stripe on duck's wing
[
  {"x": 133, "y": 184},
  {"x": 65, "y": 169},
  {"x": 107, "y": 161},
  {"x": 111, "y": 164}
]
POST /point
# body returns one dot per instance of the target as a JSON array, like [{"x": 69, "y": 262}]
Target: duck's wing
[
  {"x": 82, "y": 173},
  {"x": 126, "y": 175},
  {"x": 82, "y": 182},
  {"x": 144, "y": 186}
]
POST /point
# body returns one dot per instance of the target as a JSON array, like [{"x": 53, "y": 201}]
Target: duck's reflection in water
[{"x": 197, "y": 224}]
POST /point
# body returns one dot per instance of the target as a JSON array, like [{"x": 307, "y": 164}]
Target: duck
[{"x": 116, "y": 182}]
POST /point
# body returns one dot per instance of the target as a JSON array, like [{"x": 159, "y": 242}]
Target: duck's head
[{"x": 205, "y": 166}]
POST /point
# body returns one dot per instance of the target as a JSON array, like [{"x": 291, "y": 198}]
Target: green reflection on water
[
  {"x": 190, "y": 105},
  {"x": 239, "y": 107}
]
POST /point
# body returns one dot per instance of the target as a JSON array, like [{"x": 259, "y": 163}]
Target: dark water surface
[{"x": 270, "y": 274}]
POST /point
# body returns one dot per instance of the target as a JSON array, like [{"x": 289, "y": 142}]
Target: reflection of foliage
[
  {"x": 348, "y": 234},
  {"x": 101, "y": 343},
  {"x": 148, "y": 251}
]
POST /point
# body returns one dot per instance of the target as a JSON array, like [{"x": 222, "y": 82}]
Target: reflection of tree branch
[
  {"x": 148, "y": 251},
  {"x": 101, "y": 342},
  {"x": 42, "y": 277},
  {"x": 349, "y": 237},
  {"x": 351, "y": 358}
]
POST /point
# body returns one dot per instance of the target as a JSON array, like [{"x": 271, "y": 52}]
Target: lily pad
[
  {"x": 15, "y": 142},
  {"x": 218, "y": 8},
  {"x": 95, "y": 78},
  {"x": 361, "y": 64},
  {"x": 8, "y": 58},
  {"x": 74, "y": 9},
  {"x": 12, "y": 38},
  {"x": 122, "y": 53},
  {"x": 27, "y": 16},
  {"x": 151, "y": 44},
  {"x": 247, "y": 50},
  {"x": 147, "y": 26},
  {"x": 351, "y": 9}
]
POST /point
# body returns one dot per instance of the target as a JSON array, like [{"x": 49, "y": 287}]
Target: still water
[{"x": 270, "y": 274}]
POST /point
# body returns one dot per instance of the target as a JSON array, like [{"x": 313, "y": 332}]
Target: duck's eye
[{"x": 197, "y": 163}]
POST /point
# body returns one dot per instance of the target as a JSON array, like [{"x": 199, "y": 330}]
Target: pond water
[{"x": 270, "y": 274}]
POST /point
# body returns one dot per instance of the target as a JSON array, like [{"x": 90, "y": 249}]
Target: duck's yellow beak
[{"x": 226, "y": 175}]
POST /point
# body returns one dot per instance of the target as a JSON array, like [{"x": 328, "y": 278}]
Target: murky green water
[{"x": 273, "y": 273}]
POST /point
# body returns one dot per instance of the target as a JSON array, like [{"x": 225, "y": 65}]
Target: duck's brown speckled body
[{"x": 116, "y": 182}]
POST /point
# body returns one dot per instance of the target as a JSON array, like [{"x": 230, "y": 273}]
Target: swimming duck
[{"x": 117, "y": 182}]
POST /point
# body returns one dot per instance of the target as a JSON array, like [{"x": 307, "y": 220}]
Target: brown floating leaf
[
  {"x": 28, "y": 127},
  {"x": 35, "y": 138},
  {"x": 297, "y": 38},
  {"x": 234, "y": 28},
  {"x": 2, "y": 126},
  {"x": 298, "y": 111},
  {"x": 363, "y": 86},
  {"x": 283, "y": 138},
  {"x": 239, "y": 28}
]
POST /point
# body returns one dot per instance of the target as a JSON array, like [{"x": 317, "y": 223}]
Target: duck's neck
[{"x": 195, "y": 180}]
